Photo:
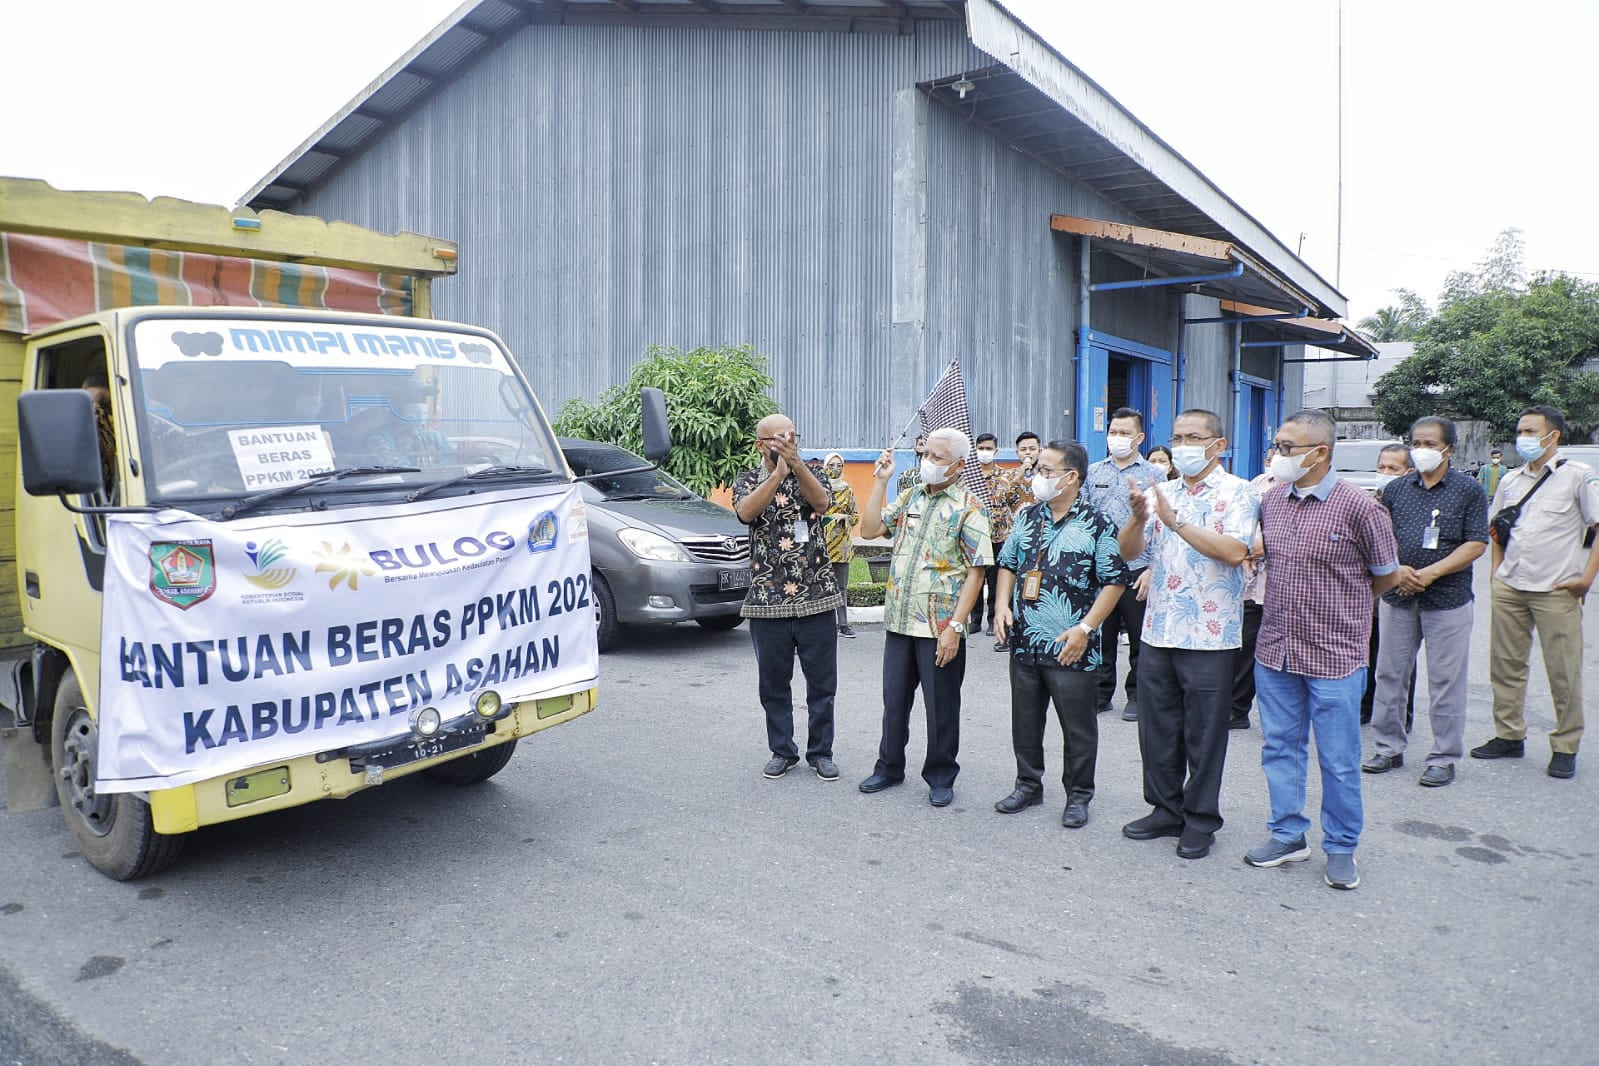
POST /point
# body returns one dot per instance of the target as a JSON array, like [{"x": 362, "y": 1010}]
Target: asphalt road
[{"x": 631, "y": 890}]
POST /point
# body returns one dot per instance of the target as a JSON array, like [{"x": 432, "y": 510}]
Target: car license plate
[{"x": 733, "y": 579}]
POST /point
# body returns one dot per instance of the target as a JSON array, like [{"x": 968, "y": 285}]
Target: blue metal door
[{"x": 1150, "y": 388}]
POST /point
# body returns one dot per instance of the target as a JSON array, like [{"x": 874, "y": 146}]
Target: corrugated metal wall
[{"x": 616, "y": 187}]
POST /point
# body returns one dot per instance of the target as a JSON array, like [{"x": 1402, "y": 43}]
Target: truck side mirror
[
  {"x": 657, "y": 434},
  {"x": 59, "y": 443}
]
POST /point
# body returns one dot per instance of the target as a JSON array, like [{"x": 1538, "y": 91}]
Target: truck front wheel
[
  {"x": 473, "y": 768},
  {"x": 114, "y": 831}
]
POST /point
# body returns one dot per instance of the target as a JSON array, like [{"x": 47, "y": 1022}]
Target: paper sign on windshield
[{"x": 280, "y": 455}]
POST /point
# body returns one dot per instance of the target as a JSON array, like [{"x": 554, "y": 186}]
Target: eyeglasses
[
  {"x": 769, "y": 440},
  {"x": 1193, "y": 438},
  {"x": 1049, "y": 471},
  {"x": 1288, "y": 447}
]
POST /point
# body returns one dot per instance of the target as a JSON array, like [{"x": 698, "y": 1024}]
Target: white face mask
[
  {"x": 985, "y": 456},
  {"x": 1044, "y": 488},
  {"x": 932, "y": 473},
  {"x": 1289, "y": 469},
  {"x": 1383, "y": 480},
  {"x": 1529, "y": 448},
  {"x": 1426, "y": 459},
  {"x": 1190, "y": 459},
  {"x": 1120, "y": 447}
]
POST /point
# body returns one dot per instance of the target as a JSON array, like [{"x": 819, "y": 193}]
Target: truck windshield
[{"x": 231, "y": 406}]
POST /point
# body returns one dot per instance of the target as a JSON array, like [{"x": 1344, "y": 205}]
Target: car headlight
[
  {"x": 426, "y": 721},
  {"x": 487, "y": 704},
  {"x": 647, "y": 545}
]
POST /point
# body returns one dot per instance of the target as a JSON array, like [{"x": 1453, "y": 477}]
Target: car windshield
[
  {"x": 1357, "y": 456},
  {"x": 231, "y": 406},
  {"x": 641, "y": 484}
]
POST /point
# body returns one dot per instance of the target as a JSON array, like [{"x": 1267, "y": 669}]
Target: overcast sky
[{"x": 1459, "y": 120}]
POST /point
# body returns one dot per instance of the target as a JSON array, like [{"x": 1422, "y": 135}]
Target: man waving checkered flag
[{"x": 945, "y": 407}]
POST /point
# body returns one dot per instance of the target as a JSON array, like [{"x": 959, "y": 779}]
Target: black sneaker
[
  {"x": 778, "y": 766},
  {"x": 825, "y": 768},
  {"x": 1500, "y": 748},
  {"x": 1563, "y": 764},
  {"x": 847, "y": 631}
]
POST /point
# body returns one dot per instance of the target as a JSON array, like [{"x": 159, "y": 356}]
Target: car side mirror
[
  {"x": 657, "y": 433},
  {"x": 59, "y": 443}
]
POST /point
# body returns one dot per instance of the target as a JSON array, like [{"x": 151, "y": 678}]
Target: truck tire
[
  {"x": 721, "y": 623},
  {"x": 115, "y": 831},
  {"x": 605, "y": 624},
  {"x": 473, "y": 768}
]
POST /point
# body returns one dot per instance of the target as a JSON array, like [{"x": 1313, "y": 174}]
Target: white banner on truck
[{"x": 229, "y": 645}]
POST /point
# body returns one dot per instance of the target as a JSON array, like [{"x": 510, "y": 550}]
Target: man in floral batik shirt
[
  {"x": 1199, "y": 530},
  {"x": 1060, "y": 575},
  {"x": 792, "y": 595},
  {"x": 941, "y": 548}
]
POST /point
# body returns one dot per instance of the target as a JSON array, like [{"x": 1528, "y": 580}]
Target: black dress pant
[
  {"x": 907, "y": 664},
  {"x": 814, "y": 639},
  {"x": 985, "y": 595},
  {"x": 1035, "y": 683},
  {"x": 1184, "y": 700},
  {"x": 1126, "y": 617},
  {"x": 1244, "y": 662}
]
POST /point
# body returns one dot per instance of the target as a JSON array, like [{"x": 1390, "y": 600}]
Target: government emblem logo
[{"x": 182, "y": 572}]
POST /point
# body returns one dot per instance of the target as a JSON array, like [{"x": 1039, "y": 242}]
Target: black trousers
[
  {"x": 1244, "y": 663},
  {"x": 907, "y": 664},
  {"x": 1033, "y": 687},
  {"x": 1185, "y": 698},
  {"x": 985, "y": 595},
  {"x": 814, "y": 639},
  {"x": 1127, "y": 617}
]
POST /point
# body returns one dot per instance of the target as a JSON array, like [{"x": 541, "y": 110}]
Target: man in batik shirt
[
  {"x": 941, "y": 548},
  {"x": 792, "y": 595},
  {"x": 1060, "y": 575}
]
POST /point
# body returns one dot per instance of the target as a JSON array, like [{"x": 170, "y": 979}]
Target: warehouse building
[{"x": 863, "y": 190}]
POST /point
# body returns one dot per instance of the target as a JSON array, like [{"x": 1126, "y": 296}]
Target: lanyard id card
[
  {"x": 1032, "y": 584},
  {"x": 1429, "y": 536}
]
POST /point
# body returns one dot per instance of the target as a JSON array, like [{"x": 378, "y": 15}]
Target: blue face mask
[{"x": 1529, "y": 448}]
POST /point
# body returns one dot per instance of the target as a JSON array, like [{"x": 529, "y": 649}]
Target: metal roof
[
  {"x": 1032, "y": 99},
  {"x": 479, "y": 25}
]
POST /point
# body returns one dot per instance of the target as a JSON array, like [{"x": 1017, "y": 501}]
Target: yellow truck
[{"x": 271, "y": 533}]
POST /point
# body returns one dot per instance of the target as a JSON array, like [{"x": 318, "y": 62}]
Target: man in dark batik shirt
[
  {"x": 1061, "y": 574},
  {"x": 792, "y": 595}
]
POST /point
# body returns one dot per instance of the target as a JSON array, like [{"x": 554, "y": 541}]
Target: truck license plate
[
  {"x": 733, "y": 579},
  {"x": 416, "y": 750}
]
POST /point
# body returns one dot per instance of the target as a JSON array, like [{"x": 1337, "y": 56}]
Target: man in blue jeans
[
  {"x": 1330, "y": 548},
  {"x": 792, "y": 595}
]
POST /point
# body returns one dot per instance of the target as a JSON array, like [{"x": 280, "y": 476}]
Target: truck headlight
[
  {"x": 426, "y": 721},
  {"x": 487, "y": 704},
  {"x": 649, "y": 545}
]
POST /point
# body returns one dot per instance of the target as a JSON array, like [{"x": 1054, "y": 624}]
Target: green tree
[
  {"x": 1493, "y": 349},
  {"x": 1499, "y": 272},
  {"x": 1400, "y": 323},
  {"x": 714, "y": 398}
]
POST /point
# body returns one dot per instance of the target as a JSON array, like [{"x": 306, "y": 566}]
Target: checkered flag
[{"x": 946, "y": 408}]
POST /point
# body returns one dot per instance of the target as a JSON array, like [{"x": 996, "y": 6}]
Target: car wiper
[
  {"x": 249, "y": 503},
  {"x": 649, "y": 496},
  {"x": 488, "y": 473}
]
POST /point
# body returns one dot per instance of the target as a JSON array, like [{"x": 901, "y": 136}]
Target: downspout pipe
[{"x": 1081, "y": 358}]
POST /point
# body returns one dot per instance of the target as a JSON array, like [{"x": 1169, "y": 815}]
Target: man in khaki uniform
[{"x": 1540, "y": 579}]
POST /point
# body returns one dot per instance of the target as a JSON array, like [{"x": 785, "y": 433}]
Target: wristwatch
[
  {"x": 1087, "y": 632},
  {"x": 959, "y": 627},
  {"x": 1177, "y": 525}
]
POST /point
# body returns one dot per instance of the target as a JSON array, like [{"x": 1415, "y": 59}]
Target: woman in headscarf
[{"x": 839, "y": 529}]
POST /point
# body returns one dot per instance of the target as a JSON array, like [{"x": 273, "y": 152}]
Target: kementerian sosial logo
[
  {"x": 182, "y": 572},
  {"x": 344, "y": 564},
  {"x": 265, "y": 557},
  {"x": 541, "y": 532}
]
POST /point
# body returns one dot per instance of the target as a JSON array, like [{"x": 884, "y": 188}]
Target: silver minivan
[{"x": 661, "y": 553}]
